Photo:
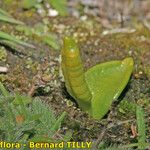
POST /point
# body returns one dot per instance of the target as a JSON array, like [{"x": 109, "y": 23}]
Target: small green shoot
[
  {"x": 95, "y": 89},
  {"x": 51, "y": 40},
  {"x": 4, "y": 16},
  {"x": 4, "y": 38},
  {"x": 141, "y": 127},
  {"x": 60, "y": 6},
  {"x": 27, "y": 4},
  {"x": 41, "y": 32},
  {"x": 3, "y": 90}
]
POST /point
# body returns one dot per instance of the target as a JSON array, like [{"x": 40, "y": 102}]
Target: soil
[{"x": 37, "y": 72}]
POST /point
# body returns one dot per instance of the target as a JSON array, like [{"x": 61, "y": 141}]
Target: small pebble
[{"x": 52, "y": 13}]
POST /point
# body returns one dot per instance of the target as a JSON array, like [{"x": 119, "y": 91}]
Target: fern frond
[
  {"x": 3, "y": 90},
  {"x": 57, "y": 124},
  {"x": 22, "y": 119}
]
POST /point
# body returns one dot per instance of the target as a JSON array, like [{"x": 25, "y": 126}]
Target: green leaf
[
  {"x": 4, "y": 12},
  {"x": 57, "y": 124},
  {"x": 106, "y": 81},
  {"x": 4, "y": 16},
  {"x": 9, "y": 19},
  {"x": 96, "y": 89},
  {"x": 42, "y": 33},
  {"x": 47, "y": 117},
  {"x": 27, "y": 4},
  {"x": 51, "y": 40},
  {"x": 141, "y": 128},
  {"x": 60, "y": 6},
  {"x": 12, "y": 39},
  {"x": 3, "y": 90},
  {"x": 22, "y": 99}
]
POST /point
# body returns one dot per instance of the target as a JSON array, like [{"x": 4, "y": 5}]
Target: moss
[
  {"x": 3, "y": 54},
  {"x": 137, "y": 41},
  {"x": 2, "y": 77},
  {"x": 147, "y": 71},
  {"x": 127, "y": 108},
  {"x": 143, "y": 31}
]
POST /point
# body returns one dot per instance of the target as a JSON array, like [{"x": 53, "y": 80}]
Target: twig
[
  {"x": 99, "y": 138},
  {"x": 32, "y": 90},
  {"x": 146, "y": 24},
  {"x": 118, "y": 30},
  {"x": 104, "y": 130}
]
